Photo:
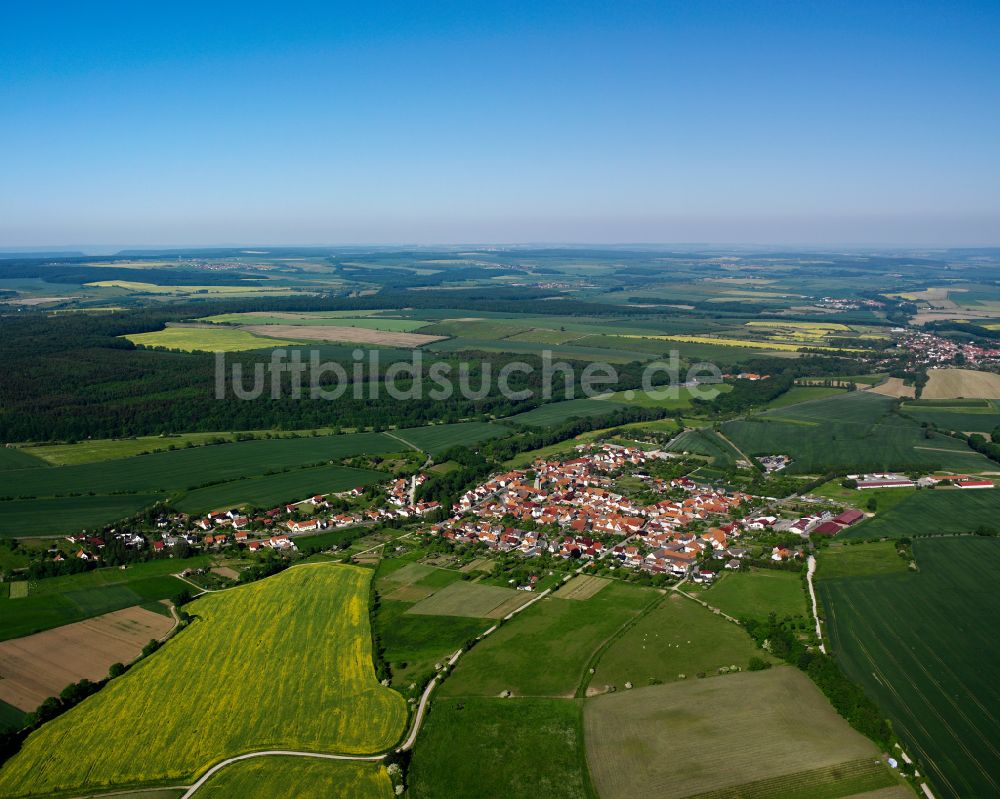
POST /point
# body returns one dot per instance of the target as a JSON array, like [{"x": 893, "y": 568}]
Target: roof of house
[
  {"x": 827, "y": 528},
  {"x": 849, "y": 516}
]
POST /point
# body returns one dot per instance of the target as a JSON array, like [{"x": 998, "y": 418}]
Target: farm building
[
  {"x": 884, "y": 481},
  {"x": 848, "y": 517},
  {"x": 828, "y": 528}
]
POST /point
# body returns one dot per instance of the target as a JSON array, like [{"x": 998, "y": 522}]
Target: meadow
[
  {"x": 755, "y": 593},
  {"x": 932, "y": 512},
  {"x": 479, "y": 748},
  {"x": 859, "y": 560},
  {"x": 546, "y": 649},
  {"x": 772, "y": 725},
  {"x": 235, "y": 681},
  {"x": 677, "y": 637},
  {"x": 302, "y": 777},
  {"x": 415, "y": 643},
  {"x": 924, "y": 646}
]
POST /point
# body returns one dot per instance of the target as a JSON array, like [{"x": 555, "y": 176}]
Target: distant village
[{"x": 929, "y": 350}]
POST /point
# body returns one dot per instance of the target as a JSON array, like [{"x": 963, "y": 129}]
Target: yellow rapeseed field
[
  {"x": 207, "y": 339},
  {"x": 301, "y": 777},
  {"x": 737, "y": 342},
  {"x": 284, "y": 663}
]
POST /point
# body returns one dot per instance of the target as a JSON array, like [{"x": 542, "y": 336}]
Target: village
[
  {"x": 929, "y": 350},
  {"x": 563, "y": 508},
  {"x": 568, "y": 509}
]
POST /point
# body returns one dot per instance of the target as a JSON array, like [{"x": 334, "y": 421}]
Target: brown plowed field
[{"x": 38, "y": 666}]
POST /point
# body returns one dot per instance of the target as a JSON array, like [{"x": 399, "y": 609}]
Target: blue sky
[{"x": 703, "y": 121}]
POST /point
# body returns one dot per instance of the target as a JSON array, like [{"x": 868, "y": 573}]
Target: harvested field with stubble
[
  {"x": 41, "y": 665},
  {"x": 967, "y": 383},
  {"x": 353, "y": 335},
  {"x": 893, "y": 387},
  {"x": 583, "y": 586},
  {"x": 774, "y": 727}
]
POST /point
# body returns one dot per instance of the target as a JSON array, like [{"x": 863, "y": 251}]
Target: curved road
[{"x": 271, "y": 753}]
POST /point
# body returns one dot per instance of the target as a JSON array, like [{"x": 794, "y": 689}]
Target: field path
[
  {"x": 812, "y": 597},
  {"x": 746, "y": 457},
  {"x": 272, "y": 753},
  {"x": 402, "y": 440}
]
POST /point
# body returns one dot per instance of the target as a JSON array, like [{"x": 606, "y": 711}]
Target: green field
[
  {"x": 22, "y": 518},
  {"x": 924, "y": 645},
  {"x": 678, "y": 637},
  {"x": 190, "y": 468},
  {"x": 107, "y": 449},
  {"x": 709, "y": 443},
  {"x": 962, "y": 418},
  {"x": 55, "y": 601},
  {"x": 301, "y": 777},
  {"x": 555, "y": 413},
  {"x": 235, "y": 681},
  {"x": 415, "y": 643},
  {"x": 853, "y": 432},
  {"x": 10, "y": 717},
  {"x": 859, "y": 560},
  {"x": 568, "y": 352},
  {"x": 322, "y": 319},
  {"x": 772, "y": 725},
  {"x": 797, "y": 394},
  {"x": 681, "y": 400},
  {"x": 757, "y": 592},
  {"x": 474, "y": 600},
  {"x": 14, "y": 458},
  {"x": 931, "y": 512},
  {"x": 438, "y": 438},
  {"x": 546, "y": 650},
  {"x": 478, "y": 748},
  {"x": 277, "y": 488}
]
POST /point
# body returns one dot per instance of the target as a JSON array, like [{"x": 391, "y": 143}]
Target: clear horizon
[{"x": 778, "y": 123}]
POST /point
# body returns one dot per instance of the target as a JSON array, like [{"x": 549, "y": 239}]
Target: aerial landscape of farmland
[
  {"x": 500, "y": 400},
  {"x": 521, "y": 575}
]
